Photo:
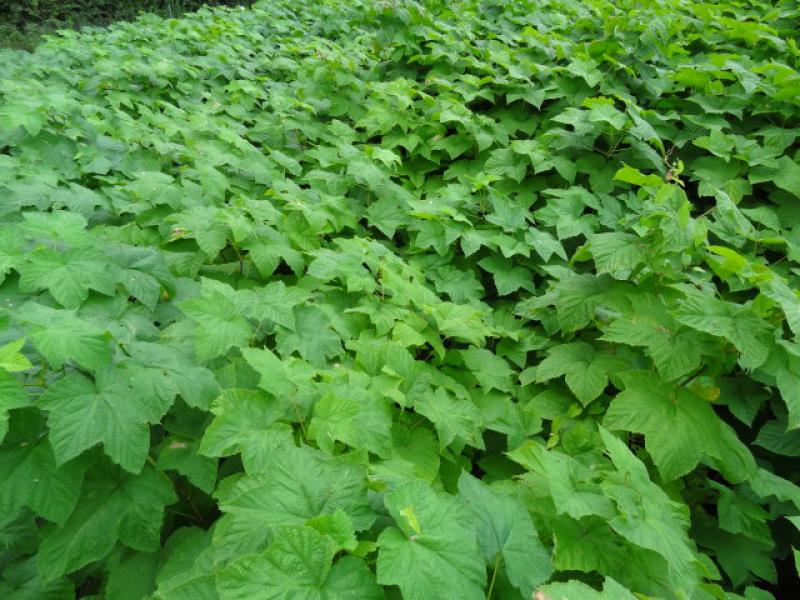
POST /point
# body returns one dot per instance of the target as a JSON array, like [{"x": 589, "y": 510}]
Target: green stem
[{"x": 494, "y": 576}]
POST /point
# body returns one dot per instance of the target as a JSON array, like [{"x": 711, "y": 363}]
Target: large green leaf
[
  {"x": 69, "y": 276},
  {"x": 312, "y": 336},
  {"x": 506, "y": 535},
  {"x": 298, "y": 484},
  {"x": 750, "y": 334},
  {"x": 127, "y": 508},
  {"x": 61, "y": 336},
  {"x": 680, "y": 428},
  {"x": 219, "y": 325},
  {"x": 675, "y": 350},
  {"x": 432, "y": 551},
  {"x": 31, "y": 478},
  {"x": 115, "y": 411},
  {"x": 454, "y": 418},
  {"x": 245, "y": 422},
  {"x": 353, "y": 416},
  {"x": 195, "y": 384},
  {"x": 297, "y": 564}
]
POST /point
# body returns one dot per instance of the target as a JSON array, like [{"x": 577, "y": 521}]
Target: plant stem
[{"x": 494, "y": 576}]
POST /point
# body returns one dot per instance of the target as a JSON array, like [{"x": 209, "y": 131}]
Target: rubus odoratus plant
[{"x": 423, "y": 300}]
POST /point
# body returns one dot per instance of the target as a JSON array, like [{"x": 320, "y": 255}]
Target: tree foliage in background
[
  {"x": 23, "y": 21},
  {"x": 360, "y": 300},
  {"x": 94, "y": 12}
]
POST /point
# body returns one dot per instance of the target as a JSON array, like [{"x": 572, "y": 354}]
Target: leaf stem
[{"x": 494, "y": 576}]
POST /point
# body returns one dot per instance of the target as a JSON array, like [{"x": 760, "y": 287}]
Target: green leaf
[
  {"x": 453, "y": 418},
  {"x": 353, "y": 416},
  {"x": 680, "y": 428},
  {"x": 12, "y": 395},
  {"x": 784, "y": 365},
  {"x": 275, "y": 302},
  {"x": 634, "y": 176},
  {"x": 297, "y": 565},
  {"x": 586, "y": 69},
  {"x": 298, "y": 484},
  {"x": 787, "y": 299},
  {"x": 774, "y": 437},
  {"x": 675, "y": 350},
  {"x": 738, "y": 514},
  {"x": 12, "y": 250},
  {"x": 21, "y": 580},
  {"x": 563, "y": 477},
  {"x": 348, "y": 267},
  {"x": 111, "y": 411},
  {"x": 750, "y": 334},
  {"x": 617, "y": 254},
  {"x": 219, "y": 325},
  {"x": 647, "y": 517},
  {"x": 245, "y": 422},
  {"x": 545, "y": 244},
  {"x": 766, "y": 484},
  {"x": 491, "y": 371},
  {"x": 30, "y": 477},
  {"x": 187, "y": 572},
  {"x": 586, "y": 369},
  {"x": 506, "y": 163},
  {"x": 432, "y": 551},
  {"x": 460, "y": 286},
  {"x": 462, "y": 322},
  {"x": 338, "y": 527},
  {"x": 278, "y": 377},
  {"x": 195, "y": 384},
  {"x": 203, "y": 223},
  {"x": 506, "y": 532},
  {"x": 312, "y": 338},
  {"x": 785, "y": 174},
  {"x": 414, "y": 455},
  {"x": 11, "y": 359},
  {"x": 294, "y": 260},
  {"x": 179, "y": 454},
  {"x": 577, "y": 590},
  {"x": 717, "y": 143},
  {"x": 127, "y": 508},
  {"x": 69, "y": 275},
  {"x": 578, "y": 297},
  {"x": 131, "y": 575},
  {"x": 61, "y": 336}
]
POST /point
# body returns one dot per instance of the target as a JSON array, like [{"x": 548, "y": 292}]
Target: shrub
[{"x": 361, "y": 300}]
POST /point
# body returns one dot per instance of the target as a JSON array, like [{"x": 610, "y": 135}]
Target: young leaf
[{"x": 586, "y": 370}]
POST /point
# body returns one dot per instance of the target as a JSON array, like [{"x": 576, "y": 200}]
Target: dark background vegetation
[{"x": 22, "y": 22}]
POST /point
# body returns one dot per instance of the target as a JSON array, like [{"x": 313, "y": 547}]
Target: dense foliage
[
  {"x": 22, "y": 12},
  {"x": 364, "y": 300},
  {"x": 22, "y": 21}
]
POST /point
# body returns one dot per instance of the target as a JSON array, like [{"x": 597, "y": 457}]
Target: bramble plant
[{"x": 341, "y": 301}]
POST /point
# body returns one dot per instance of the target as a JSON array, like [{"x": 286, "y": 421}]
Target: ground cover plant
[{"x": 479, "y": 299}]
